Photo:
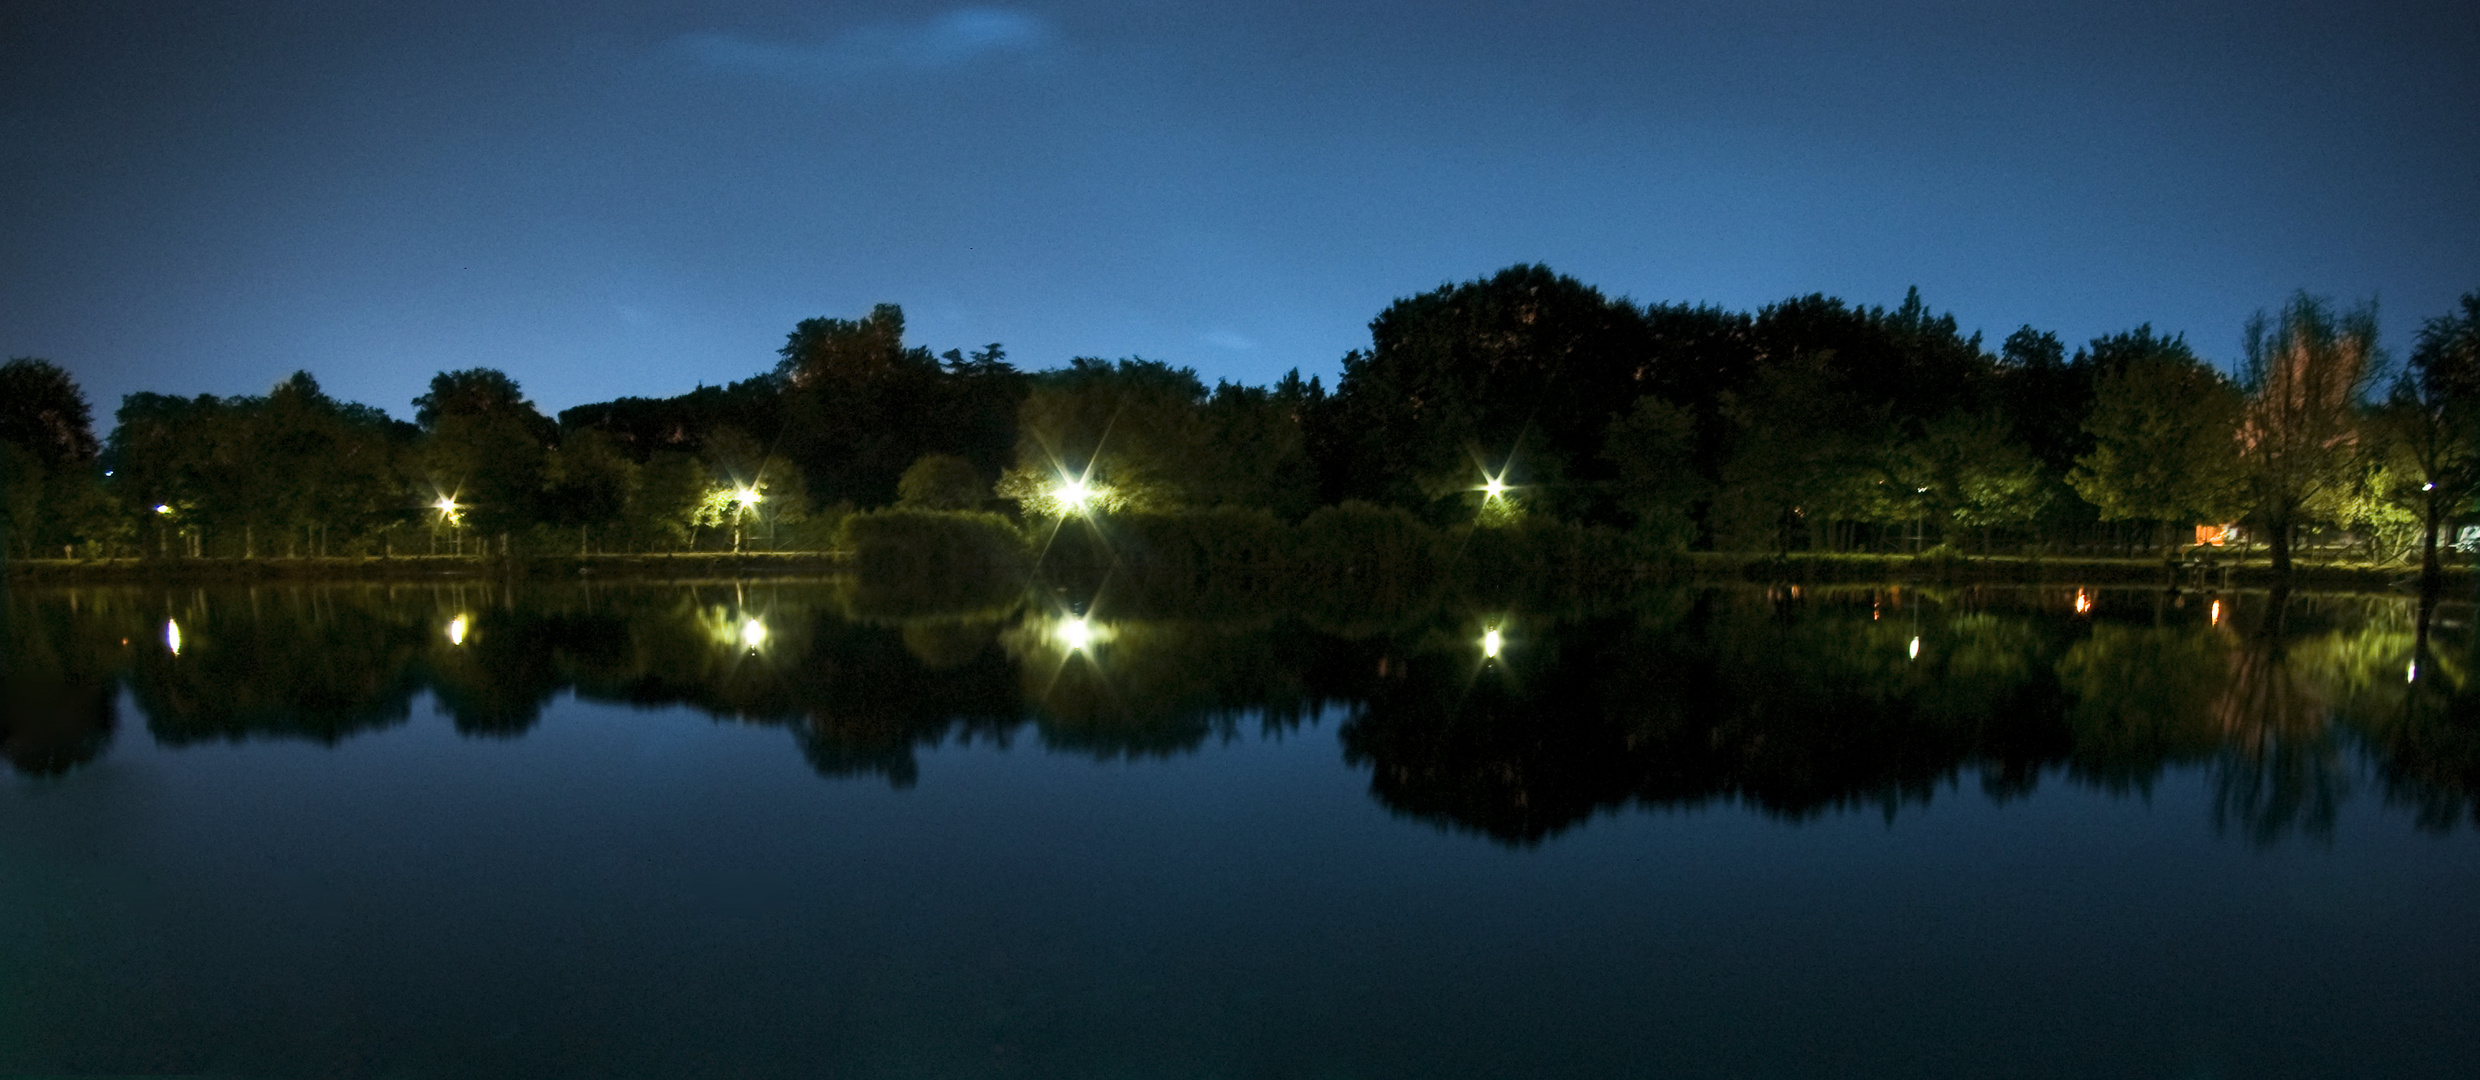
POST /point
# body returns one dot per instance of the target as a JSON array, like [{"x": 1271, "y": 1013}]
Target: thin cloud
[{"x": 960, "y": 38}]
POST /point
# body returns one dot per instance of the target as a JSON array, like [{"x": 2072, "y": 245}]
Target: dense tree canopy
[
  {"x": 1524, "y": 399},
  {"x": 48, "y": 485},
  {"x": 2164, "y": 434}
]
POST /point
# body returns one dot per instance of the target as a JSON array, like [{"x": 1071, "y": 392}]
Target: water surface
[{"x": 767, "y": 829}]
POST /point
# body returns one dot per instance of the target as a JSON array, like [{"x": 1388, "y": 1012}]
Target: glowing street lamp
[
  {"x": 753, "y": 634},
  {"x": 172, "y": 635},
  {"x": 1490, "y": 642},
  {"x": 449, "y": 515},
  {"x": 748, "y": 498},
  {"x": 1077, "y": 634},
  {"x": 456, "y": 630},
  {"x": 1495, "y": 489},
  {"x": 1073, "y": 494}
]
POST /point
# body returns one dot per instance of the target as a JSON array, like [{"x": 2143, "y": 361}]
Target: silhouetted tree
[
  {"x": 485, "y": 447},
  {"x": 2434, "y": 413},
  {"x": 1517, "y": 376},
  {"x": 2164, "y": 430},
  {"x": 1653, "y": 448},
  {"x": 49, "y": 491}
]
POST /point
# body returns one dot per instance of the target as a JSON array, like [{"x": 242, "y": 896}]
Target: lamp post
[
  {"x": 447, "y": 507},
  {"x": 748, "y": 499}
]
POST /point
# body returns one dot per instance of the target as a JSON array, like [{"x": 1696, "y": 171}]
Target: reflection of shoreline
[{"x": 1795, "y": 701}]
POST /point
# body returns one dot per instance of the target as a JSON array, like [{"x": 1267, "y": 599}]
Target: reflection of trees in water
[
  {"x": 1126, "y": 689},
  {"x": 321, "y": 664},
  {"x": 2144, "y": 699},
  {"x": 2280, "y": 767},
  {"x": 868, "y": 700},
  {"x": 1797, "y": 704},
  {"x": 1731, "y": 702},
  {"x": 2415, "y": 704},
  {"x": 57, "y": 664}
]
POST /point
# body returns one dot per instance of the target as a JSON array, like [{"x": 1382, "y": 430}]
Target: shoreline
[{"x": 1796, "y": 568}]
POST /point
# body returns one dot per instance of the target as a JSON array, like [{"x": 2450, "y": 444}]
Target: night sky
[{"x": 621, "y": 198}]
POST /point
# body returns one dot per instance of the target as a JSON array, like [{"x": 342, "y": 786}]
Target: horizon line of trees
[{"x": 1807, "y": 425}]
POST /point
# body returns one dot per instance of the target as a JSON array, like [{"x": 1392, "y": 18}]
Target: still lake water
[{"x": 736, "y": 830}]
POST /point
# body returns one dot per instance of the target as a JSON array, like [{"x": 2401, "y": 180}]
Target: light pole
[
  {"x": 748, "y": 499},
  {"x": 447, "y": 508}
]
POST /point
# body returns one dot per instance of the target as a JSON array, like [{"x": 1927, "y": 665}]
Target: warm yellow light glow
[
  {"x": 748, "y": 497},
  {"x": 172, "y": 635},
  {"x": 1076, "y": 634},
  {"x": 2217, "y": 613},
  {"x": 2412, "y": 673},
  {"x": 163, "y": 508},
  {"x": 1915, "y": 649},
  {"x": 1074, "y": 494},
  {"x": 447, "y": 507},
  {"x": 456, "y": 630},
  {"x": 753, "y": 633},
  {"x": 2083, "y": 602},
  {"x": 1490, "y": 641},
  {"x": 1494, "y": 489}
]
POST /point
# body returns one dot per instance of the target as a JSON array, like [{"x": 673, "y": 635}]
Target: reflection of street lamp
[
  {"x": 753, "y": 634},
  {"x": 456, "y": 630}
]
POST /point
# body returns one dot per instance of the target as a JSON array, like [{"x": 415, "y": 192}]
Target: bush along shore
[{"x": 1380, "y": 557}]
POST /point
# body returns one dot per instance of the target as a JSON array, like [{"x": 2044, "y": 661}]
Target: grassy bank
[
  {"x": 428, "y": 568},
  {"x": 2033, "y": 569},
  {"x": 1364, "y": 550}
]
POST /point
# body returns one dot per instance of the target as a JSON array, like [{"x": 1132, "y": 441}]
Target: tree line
[{"x": 1807, "y": 425}]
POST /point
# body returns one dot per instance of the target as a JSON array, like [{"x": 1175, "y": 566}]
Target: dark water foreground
[{"x": 739, "y": 830}]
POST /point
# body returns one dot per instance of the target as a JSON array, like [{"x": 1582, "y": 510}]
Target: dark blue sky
[{"x": 622, "y": 198}]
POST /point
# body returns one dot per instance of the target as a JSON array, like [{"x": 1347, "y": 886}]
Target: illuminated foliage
[{"x": 2307, "y": 369}]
